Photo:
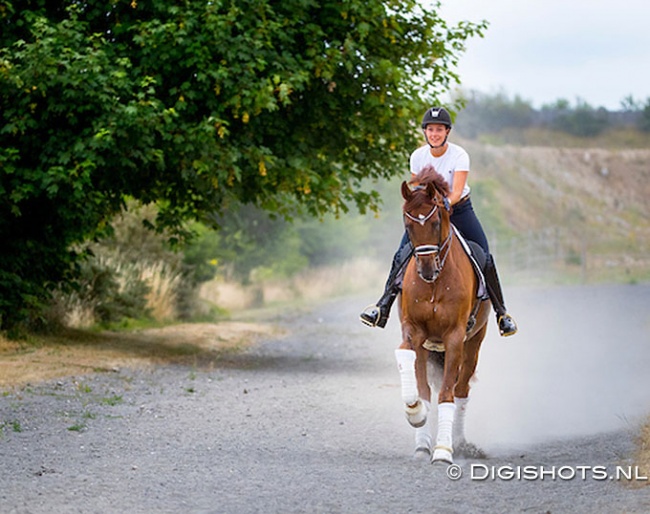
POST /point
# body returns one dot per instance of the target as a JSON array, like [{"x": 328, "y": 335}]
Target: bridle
[{"x": 441, "y": 250}]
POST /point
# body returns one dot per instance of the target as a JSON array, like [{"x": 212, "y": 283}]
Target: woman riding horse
[
  {"x": 444, "y": 317},
  {"x": 452, "y": 162}
]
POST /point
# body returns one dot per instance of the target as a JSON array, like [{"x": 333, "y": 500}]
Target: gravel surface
[{"x": 312, "y": 422}]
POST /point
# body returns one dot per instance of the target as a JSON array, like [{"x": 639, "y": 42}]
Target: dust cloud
[{"x": 578, "y": 366}]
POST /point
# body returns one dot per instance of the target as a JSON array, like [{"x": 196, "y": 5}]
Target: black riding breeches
[{"x": 465, "y": 220}]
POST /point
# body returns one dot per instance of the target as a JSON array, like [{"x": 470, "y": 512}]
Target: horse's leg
[
  {"x": 423, "y": 437},
  {"x": 443, "y": 449},
  {"x": 458, "y": 434},
  {"x": 411, "y": 363},
  {"x": 416, "y": 409},
  {"x": 461, "y": 392}
]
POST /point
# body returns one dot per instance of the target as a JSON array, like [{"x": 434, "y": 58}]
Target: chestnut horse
[{"x": 443, "y": 319}]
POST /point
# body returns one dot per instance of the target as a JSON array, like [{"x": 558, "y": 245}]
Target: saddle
[{"x": 478, "y": 259}]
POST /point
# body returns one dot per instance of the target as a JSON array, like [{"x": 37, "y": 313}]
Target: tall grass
[
  {"x": 357, "y": 276},
  {"x": 163, "y": 281},
  {"x": 156, "y": 298}
]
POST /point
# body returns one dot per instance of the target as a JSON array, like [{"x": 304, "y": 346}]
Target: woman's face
[{"x": 436, "y": 133}]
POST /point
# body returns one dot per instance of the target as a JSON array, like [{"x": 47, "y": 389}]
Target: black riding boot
[
  {"x": 377, "y": 315},
  {"x": 507, "y": 325}
]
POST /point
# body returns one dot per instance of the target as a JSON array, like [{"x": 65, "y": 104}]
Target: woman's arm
[{"x": 460, "y": 179}]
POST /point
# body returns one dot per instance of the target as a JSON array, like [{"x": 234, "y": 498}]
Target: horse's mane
[{"x": 428, "y": 175}]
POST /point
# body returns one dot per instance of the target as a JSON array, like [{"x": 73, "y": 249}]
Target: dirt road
[{"x": 312, "y": 422}]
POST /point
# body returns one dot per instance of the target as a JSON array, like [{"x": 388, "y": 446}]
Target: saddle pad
[{"x": 481, "y": 291}]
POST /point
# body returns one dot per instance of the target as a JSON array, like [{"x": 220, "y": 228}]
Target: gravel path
[{"x": 312, "y": 422}]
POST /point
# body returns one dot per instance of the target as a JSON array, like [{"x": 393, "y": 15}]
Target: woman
[{"x": 452, "y": 162}]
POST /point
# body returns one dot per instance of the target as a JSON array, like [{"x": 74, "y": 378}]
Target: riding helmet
[{"x": 436, "y": 115}]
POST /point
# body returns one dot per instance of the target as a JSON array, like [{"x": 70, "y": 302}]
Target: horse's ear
[
  {"x": 431, "y": 190},
  {"x": 406, "y": 191}
]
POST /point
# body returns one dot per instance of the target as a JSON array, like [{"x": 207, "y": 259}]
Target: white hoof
[
  {"x": 422, "y": 453},
  {"x": 442, "y": 454},
  {"x": 417, "y": 414}
]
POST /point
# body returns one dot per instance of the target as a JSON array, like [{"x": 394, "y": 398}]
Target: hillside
[{"x": 566, "y": 206}]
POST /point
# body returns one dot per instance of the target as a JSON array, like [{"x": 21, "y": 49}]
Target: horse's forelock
[
  {"x": 428, "y": 175},
  {"x": 416, "y": 201}
]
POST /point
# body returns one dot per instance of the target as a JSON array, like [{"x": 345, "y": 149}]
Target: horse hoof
[
  {"x": 443, "y": 456},
  {"x": 416, "y": 423},
  {"x": 422, "y": 453},
  {"x": 417, "y": 415}
]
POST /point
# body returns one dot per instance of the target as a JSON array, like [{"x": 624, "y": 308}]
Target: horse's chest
[
  {"x": 429, "y": 310},
  {"x": 437, "y": 310}
]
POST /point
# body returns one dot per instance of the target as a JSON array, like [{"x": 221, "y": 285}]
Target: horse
[{"x": 443, "y": 320}]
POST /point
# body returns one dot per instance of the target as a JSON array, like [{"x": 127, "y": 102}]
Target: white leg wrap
[
  {"x": 459, "y": 419},
  {"x": 417, "y": 414},
  {"x": 406, "y": 366},
  {"x": 444, "y": 443},
  {"x": 423, "y": 436}
]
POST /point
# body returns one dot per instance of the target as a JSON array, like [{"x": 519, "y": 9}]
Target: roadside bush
[{"x": 131, "y": 274}]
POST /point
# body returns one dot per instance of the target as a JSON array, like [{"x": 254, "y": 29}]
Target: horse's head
[{"x": 426, "y": 219}]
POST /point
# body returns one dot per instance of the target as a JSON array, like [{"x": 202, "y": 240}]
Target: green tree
[
  {"x": 492, "y": 113},
  {"x": 582, "y": 121},
  {"x": 200, "y": 105}
]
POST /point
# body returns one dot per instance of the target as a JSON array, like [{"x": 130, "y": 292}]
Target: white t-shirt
[{"x": 454, "y": 159}]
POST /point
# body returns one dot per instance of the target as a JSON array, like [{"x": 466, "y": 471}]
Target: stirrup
[
  {"x": 372, "y": 317},
  {"x": 507, "y": 325}
]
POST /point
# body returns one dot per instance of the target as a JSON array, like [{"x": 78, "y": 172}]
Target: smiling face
[{"x": 436, "y": 134}]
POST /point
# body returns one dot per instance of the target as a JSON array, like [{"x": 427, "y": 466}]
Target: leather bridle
[{"x": 441, "y": 250}]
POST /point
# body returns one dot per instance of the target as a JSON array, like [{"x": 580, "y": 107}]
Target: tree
[
  {"x": 197, "y": 105},
  {"x": 583, "y": 120},
  {"x": 492, "y": 113}
]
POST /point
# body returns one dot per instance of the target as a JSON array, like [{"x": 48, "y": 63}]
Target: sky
[{"x": 597, "y": 51}]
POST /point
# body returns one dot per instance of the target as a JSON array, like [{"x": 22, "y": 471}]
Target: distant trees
[
  {"x": 484, "y": 113},
  {"x": 581, "y": 120},
  {"x": 493, "y": 113},
  {"x": 644, "y": 120}
]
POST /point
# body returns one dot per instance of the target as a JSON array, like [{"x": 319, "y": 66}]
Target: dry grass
[
  {"x": 311, "y": 285},
  {"x": 162, "y": 278},
  {"x": 163, "y": 281},
  {"x": 642, "y": 457},
  {"x": 76, "y": 352}
]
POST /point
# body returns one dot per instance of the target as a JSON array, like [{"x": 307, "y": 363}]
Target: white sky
[{"x": 544, "y": 50}]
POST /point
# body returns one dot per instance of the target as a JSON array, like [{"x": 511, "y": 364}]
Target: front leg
[
  {"x": 443, "y": 450},
  {"x": 411, "y": 365},
  {"x": 416, "y": 409}
]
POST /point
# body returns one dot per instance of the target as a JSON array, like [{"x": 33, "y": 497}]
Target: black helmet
[{"x": 436, "y": 115}]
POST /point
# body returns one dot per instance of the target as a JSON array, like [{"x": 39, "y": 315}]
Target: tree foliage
[{"x": 197, "y": 105}]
